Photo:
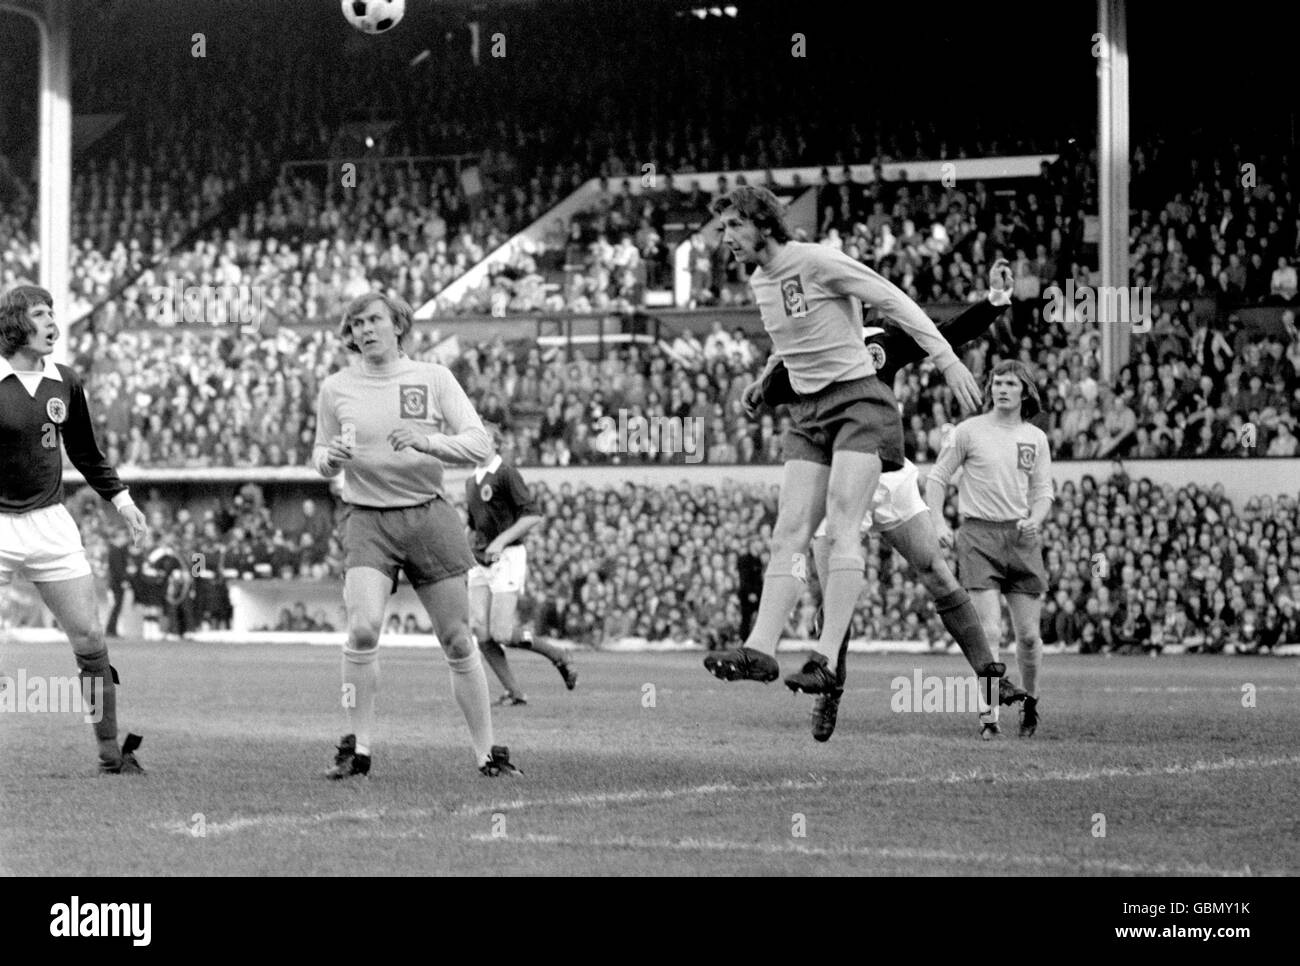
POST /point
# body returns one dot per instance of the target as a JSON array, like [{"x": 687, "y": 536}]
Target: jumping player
[
  {"x": 43, "y": 405},
  {"x": 1004, "y": 495},
  {"x": 501, "y": 512},
  {"x": 899, "y": 514},
  {"x": 387, "y": 424},
  {"x": 846, "y": 424}
]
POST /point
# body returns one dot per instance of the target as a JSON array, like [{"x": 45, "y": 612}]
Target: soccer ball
[{"x": 374, "y": 16}]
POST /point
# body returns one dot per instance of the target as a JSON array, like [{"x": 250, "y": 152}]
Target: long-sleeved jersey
[
  {"x": 364, "y": 404},
  {"x": 35, "y": 423},
  {"x": 1006, "y": 468},
  {"x": 810, "y": 298}
]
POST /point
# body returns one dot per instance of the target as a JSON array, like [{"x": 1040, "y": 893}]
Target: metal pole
[{"x": 1113, "y": 178}]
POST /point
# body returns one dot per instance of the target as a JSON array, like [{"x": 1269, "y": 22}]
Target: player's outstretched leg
[
  {"x": 480, "y": 615},
  {"x": 918, "y": 544},
  {"x": 72, "y": 602},
  {"x": 495, "y": 655},
  {"x": 802, "y": 504},
  {"x": 851, "y": 487}
]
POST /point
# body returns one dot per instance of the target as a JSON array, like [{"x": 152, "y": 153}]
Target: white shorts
[
  {"x": 897, "y": 500},
  {"x": 506, "y": 576},
  {"x": 42, "y": 545}
]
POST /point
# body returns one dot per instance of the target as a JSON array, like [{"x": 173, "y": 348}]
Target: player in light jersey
[
  {"x": 388, "y": 423},
  {"x": 899, "y": 515},
  {"x": 846, "y": 424},
  {"x": 501, "y": 512},
  {"x": 1004, "y": 495},
  {"x": 43, "y": 413}
]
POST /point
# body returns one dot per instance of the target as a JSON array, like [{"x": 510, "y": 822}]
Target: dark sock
[
  {"x": 495, "y": 656},
  {"x": 959, "y": 617},
  {"x": 549, "y": 651},
  {"x": 97, "y": 685}
]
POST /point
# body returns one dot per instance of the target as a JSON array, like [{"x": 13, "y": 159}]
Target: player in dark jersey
[
  {"x": 43, "y": 407},
  {"x": 501, "y": 512},
  {"x": 899, "y": 514}
]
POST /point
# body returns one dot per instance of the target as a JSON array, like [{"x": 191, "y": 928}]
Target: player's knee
[
  {"x": 86, "y": 640},
  {"x": 363, "y": 637},
  {"x": 458, "y": 643},
  {"x": 935, "y": 574}
]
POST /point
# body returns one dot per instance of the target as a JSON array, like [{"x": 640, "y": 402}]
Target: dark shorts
[
  {"x": 859, "y": 415},
  {"x": 993, "y": 556},
  {"x": 427, "y": 541}
]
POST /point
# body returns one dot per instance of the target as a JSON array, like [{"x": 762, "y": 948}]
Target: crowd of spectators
[
  {"x": 185, "y": 399},
  {"x": 1132, "y": 565}
]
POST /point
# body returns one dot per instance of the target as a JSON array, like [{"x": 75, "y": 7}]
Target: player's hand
[
  {"x": 493, "y": 551},
  {"x": 136, "y": 521},
  {"x": 1000, "y": 282},
  {"x": 338, "y": 452},
  {"x": 752, "y": 398},
  {"x": 944, "y": 533},
  {"x": 1028, "y": 528},
  {"x": 404, "y": 436},
  {"x": 963, "y": 386}
]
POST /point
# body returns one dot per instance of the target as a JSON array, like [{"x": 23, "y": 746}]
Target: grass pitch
[{"x": 1162, "y": 756}]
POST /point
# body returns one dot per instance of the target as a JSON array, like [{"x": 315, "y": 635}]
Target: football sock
[
  {"x": 549, "y": 651},
  {"x": 963, "y": 623},
  {"x": 1028, "y": 656},
  {"x": 470, "y": 688},
  {"x": 781, "y": 590},
  {"x": 989, "y": 713},
  {"x": 495, "y": 655},
  {"x": 97, "y": 686},
  {"x": 360, "y": 685},
  {"x": 842, "y": 588},
  {"x": 821, "y": 554}
]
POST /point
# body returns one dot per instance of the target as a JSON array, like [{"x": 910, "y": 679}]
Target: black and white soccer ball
[{"x": 374, "y": 16}]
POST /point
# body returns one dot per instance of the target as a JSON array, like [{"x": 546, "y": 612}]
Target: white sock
[
  {"x": 989, "y": 712},
  {"x": 470, "y": 687},
  {"x": 360, "y": 686}
]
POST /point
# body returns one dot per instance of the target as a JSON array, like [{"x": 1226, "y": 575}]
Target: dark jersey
[
  {"x": 495, "y": 505},
  {"x": 32, "y": 432}
]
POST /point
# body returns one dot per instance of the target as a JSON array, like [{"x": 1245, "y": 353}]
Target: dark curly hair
[{"x": 15, "y": 327}]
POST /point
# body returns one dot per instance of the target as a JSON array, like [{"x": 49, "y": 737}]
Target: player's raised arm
[
  {"x": 901, "y": 349},
  {"x": 845, "y": 276},
  {"x": 468, "y": 442}
]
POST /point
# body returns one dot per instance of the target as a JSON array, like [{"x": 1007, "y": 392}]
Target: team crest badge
[
  {"x": 796, "y": 304},
  {"x": 1027, "y": 454},
  {"x": 57, "y": 410},
  {"x": 415, "y": 402},
  {"x": 485, "y": 492},
  {"x": 877, "y": 353}
]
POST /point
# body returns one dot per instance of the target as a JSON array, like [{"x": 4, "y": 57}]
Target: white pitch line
[
  {"x": 600, "y": 799},
  {"x": 852, "y": 851},
  {"x": 603, "y": 799}
]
